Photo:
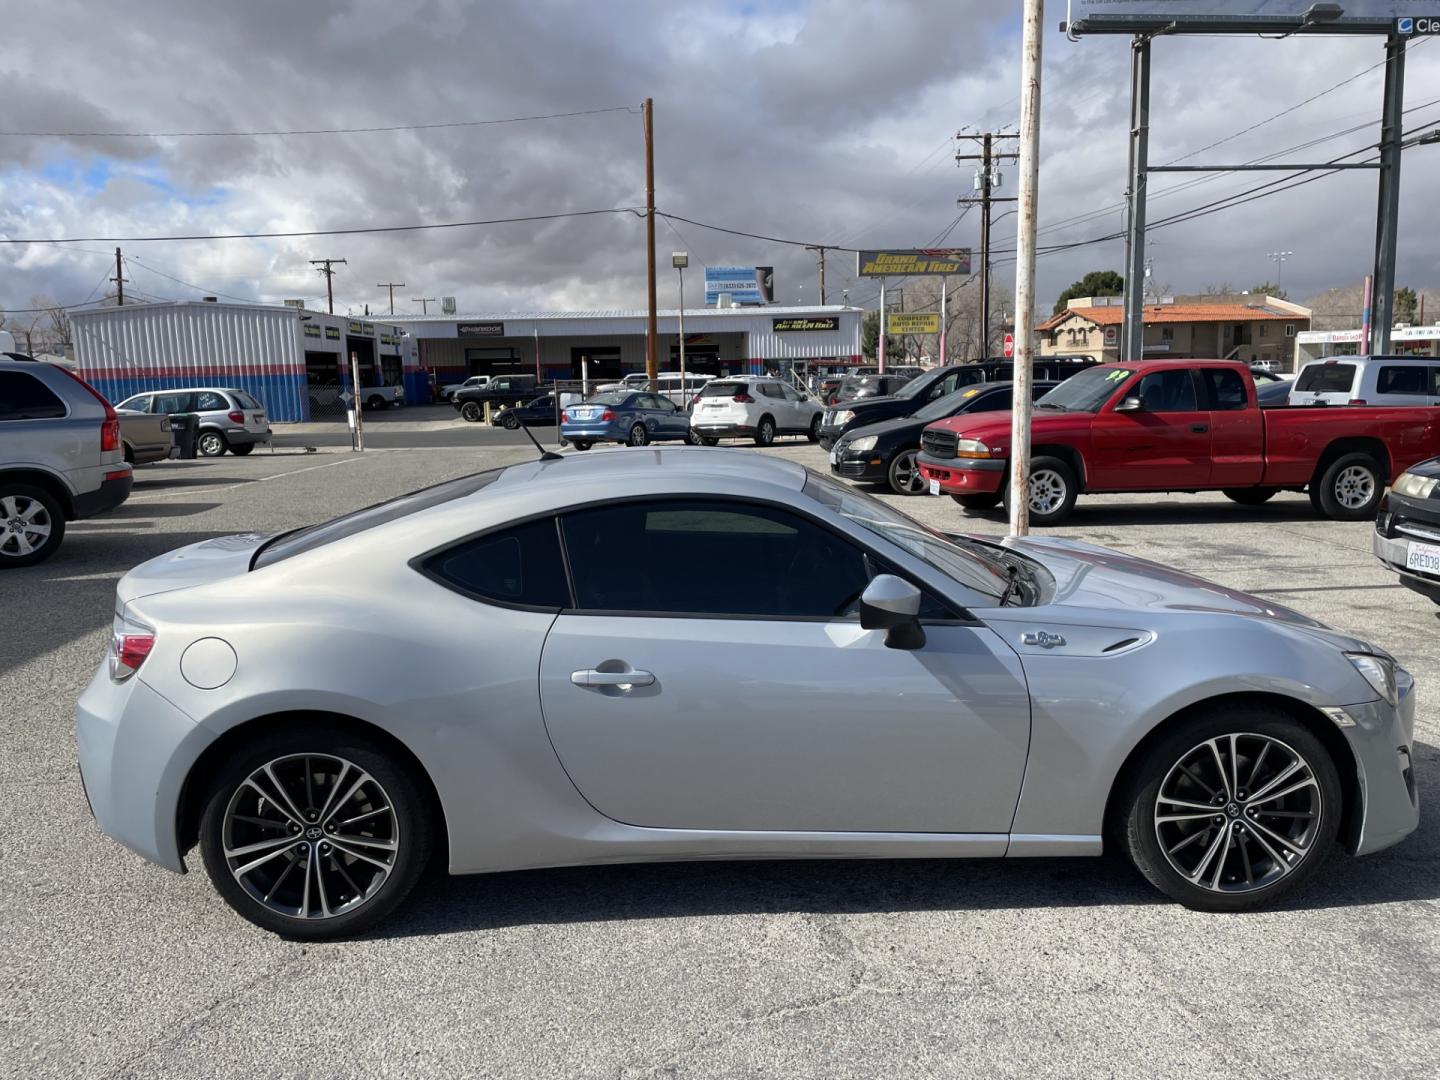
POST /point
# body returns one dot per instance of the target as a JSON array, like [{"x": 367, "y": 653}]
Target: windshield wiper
[
  {"x": 1050, "y": 405},
  {"x": 1011, "y": 586}
]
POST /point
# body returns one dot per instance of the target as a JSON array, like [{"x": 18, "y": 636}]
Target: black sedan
[
  {"x": 885, "y": 452},
  {"x": 1407, "y": 530},
  {"x": 538, "y": 412}
]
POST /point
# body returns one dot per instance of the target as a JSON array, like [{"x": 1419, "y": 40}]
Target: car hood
[
  {"x": 992, "y": 426},
  {"x": 1429, "y": 467},
  {"x": 885, "y": 427}
]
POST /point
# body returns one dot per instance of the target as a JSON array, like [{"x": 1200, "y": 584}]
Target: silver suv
[
  {"x": 230, "y": 419},
  {"x": 61, "y": 457}
]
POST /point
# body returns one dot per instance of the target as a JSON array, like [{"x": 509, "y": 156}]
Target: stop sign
[{"x": 1009, "y": 345}]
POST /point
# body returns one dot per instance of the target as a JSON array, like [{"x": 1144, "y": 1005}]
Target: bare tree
[{"x": 1224, "y": 288}]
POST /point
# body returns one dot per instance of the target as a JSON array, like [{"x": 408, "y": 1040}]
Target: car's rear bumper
[
  {"x": 242, "y": 437},
  {"x": 722, "y": 431},
  {"x": 963, "y": 476},
  {"x": 592, "y": 433},
  {"x": 110, "y": 494}
]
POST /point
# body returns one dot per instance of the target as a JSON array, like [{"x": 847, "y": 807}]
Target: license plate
[
  {"x": 835, "y": 456},
  {"x": 1422, "y": 557},
  {"x": 934, "y": 487},
  {"x": 585, "y": 414}
]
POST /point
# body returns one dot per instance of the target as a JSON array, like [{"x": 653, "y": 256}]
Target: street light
[
  {"x": 1280, "y": 257},
  {"x": 680, "y": 260}
]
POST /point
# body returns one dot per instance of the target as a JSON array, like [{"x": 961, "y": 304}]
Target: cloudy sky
[{"x": 830, "y": 121}]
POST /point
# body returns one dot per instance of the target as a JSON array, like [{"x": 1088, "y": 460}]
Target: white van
[{"x": 1368, "y": 380}]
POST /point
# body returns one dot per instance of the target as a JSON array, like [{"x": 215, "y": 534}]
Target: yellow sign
[{"x": 914, "y": 322}]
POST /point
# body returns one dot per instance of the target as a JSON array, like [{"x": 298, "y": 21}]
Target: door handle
[
  {"x": 1199, "y": 429},
  {"x": 594, "y": 677}
]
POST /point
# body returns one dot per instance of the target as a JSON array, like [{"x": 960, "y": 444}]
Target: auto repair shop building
[
  {"x": 291, "y": 359},
  {"x": 718, "y": 341}
]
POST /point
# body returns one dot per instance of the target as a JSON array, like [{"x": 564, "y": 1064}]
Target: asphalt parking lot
[{"x": 1058, "y": 968}]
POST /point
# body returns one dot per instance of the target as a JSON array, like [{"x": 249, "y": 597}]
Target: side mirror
[
  {"x": 1130, "y": 404},
  {"x": 893, "y": 605}
]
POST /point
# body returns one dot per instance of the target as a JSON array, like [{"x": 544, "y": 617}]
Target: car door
[
  {"x": 1164, "y": 445},
  {"x": 802, "y": 408},
  {"x": 173, "y": 403},
  {"x": 1237, "y": 443},
  {"x": 746, "y": 696}
]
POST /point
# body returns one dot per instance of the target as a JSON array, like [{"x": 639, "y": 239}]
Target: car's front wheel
[
  {"x": 1233, "y": 809},
  {"x": 814, "y": 433},
  {"x": 1053, "y": 488},
  {"x": 211, "y": 444},
  {"x": 315, "y": 833},
  {"x": 904, "y": 474}
]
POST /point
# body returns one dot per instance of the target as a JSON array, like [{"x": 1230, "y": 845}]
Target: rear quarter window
[
  {"x": 24, "y": 397},
  {"x": 517, "y": 566},
  {"x": 1403, "y": 379},
  {"x": 1326, "y": 379}
]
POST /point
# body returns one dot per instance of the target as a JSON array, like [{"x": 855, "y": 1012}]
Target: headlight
[
  {"x": 1379, "y": 672},
  {"x": 971, "y": 448},
  {"x": 841, "y": 416},
  {"x": 865, "y": 445},
  {"x": 1416, "y": 487}
]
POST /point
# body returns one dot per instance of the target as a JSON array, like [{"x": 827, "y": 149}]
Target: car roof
[
  {"x": 678, "y": 466},
  {"x": 191, "y": 390}
]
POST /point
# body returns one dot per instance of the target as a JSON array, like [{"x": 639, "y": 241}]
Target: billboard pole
[
  {"x": 1382, "y": 306},
  {"x": 1132, "y": 337},
  {"x": 1025, "y": 269},
  {"x": 651, "y": 331},
  {"x": 880, "y": 342}
]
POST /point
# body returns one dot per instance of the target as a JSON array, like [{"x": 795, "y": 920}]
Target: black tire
[
  {"x": 413, "y": 819},
  {"x": 39, "y": 509},
  {"x": 986, "y": 501},
  {"x": 580, "y": 444},
  {"x": 638, "y": 435},
  {"x": 1062, "y": 487},
  {"x": 242, "y": 450},
  {"x": 375, "y": 403},
  {"x": 1140, "y": 831},
  {"x": 1250, "y": 496},
  {"x": 710, "y": 440},
  {"x": 814, "y": 433},
  {"x": 765, "y": 431},
  {"x": 128, "y": 455},
  {"x": 471, "y": 412},
  {"x": 1350, "y": 488},
  {"x": 510, "y": 422},
  {"x": 314, "y": 407},
  {"x": 211, "y": 443},
  {"x": 903, "y": 474}
]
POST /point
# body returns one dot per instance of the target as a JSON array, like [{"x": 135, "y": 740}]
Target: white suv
[
  {"x": 1368, "y": 380},
  {"x": 753, "y": 406}
]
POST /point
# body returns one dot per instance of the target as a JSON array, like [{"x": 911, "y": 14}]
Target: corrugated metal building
[
  {"x": 718, "y": 341},
  {"x": 287, "y": 358}
]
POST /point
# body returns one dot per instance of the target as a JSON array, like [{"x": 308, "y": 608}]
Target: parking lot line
[{"x": 257, "y": 480}]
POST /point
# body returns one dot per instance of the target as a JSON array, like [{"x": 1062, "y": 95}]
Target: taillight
[
  {"x": 1358, "y": 401},
  {"x": 743, "y": 398},
  {"x": 607, "y": 415},
  {"x": 235, "y": 416},
  {"x": 110, "y": 431},
  {"x": 695, "y": 400},
  {"x": 130, "y": 652}
]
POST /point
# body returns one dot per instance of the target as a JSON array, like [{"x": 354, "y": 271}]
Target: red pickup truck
[{"x": 1179, "y": 425}]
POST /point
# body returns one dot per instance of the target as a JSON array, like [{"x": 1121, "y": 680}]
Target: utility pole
[
  {"x": 327, "y": 267},
  {"x": 1391, "y": 144},
  {"x": 652, "y": 370},
  {"x": 424, "y": 302},
  {"x": 1032, "y": 39},
  {"x": 820, "y": 250},
  {"x": 392, "y": 286},
  {"x": 987, "y": 178},
  {"x": 119, "y": 280}
]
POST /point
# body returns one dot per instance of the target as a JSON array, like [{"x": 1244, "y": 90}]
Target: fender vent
[{"x": 1124, "y": 643}]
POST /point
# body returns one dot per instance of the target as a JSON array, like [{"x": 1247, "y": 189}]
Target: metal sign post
[{"x": 880, "y": 342}]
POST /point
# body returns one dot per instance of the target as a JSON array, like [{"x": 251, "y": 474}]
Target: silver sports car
[{"x": 693, "y": 653}]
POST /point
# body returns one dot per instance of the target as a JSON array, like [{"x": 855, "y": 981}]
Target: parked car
[
  {"x": 1159, "y": 425},
  {"x": 530, "y": 673},
  {"x": 859, "y": 387},
  {"x": 828, "y": 387},
  {"x": 537, "y": 412},
  {"x": 229, "y": 419},
  {"x": 911, "y": 396},
  {"x": 682, "y": 392},
  {"x": 884, "y": 452},
  {"x": 753, "y": 406},
  {"x": 1368, "y": 380},
  {"x": 635, "y": 418},
  {"x": 1264, "y": 374},
  {"x": 499, "y": 391},
  {"x": 449, "y": 390},
  {"x": 144, "y": 437},
  {"x": 61, "y": 458},
  {"x": 1273, "y": 394},
  {"x": 1407, "y": 529}
]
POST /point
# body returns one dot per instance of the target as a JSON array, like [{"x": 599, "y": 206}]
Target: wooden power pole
[
  {"x": 986, "y": 180},
  {"x": 327, "y": 268},
  {"x": 652, "y": 371},
  {"x": 820, "y": 250},
  {"x": 119, "y": 280},
  {"x": 392, "y": 286}
]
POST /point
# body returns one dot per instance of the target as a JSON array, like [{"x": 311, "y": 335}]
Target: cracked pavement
[{"x": 1025, "y": 968}]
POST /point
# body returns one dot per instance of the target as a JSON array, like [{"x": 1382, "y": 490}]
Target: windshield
[
  {"x": 1085, "y": 391},
  {"x": 915, "y": 386},
  {"x": 972, "y": 569},
  {"x": 950, "y": 404}
]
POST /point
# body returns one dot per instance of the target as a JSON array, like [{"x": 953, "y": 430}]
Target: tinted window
[
  {"x": 521, "y": 565},
  {"x": 771, "y": 390},
  {"x": 210, "y": 401},
  {"x": 138, "y": 403},
  {"x": 172, "y": 403},
  {"x": 245, "y": 400},
  {"x": 1227, "y": 389},
  {"x": 24, "y": 397},
  {"x": 760, "y": 561},
  {"x": 1167, "y": 391},
  {"x": 612, "y": 397},
  {"x": 1326, "y": 378},
  {"x": 1410, "y": 379},
  {"x": 721, "y": 389}
]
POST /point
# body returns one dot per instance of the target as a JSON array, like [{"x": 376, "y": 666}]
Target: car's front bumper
[
  {"x": 830, "y": 435},
  {"x": 1383, "y": 741},
  {"x": 136, "y": 750},
  {"x": 1392, "y": 552},
  {"x": 963, "y": 476},
  {"x": 852, "y": 466}
]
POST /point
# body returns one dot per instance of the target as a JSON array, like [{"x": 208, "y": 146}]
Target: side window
[
  {"x": 748, "y": 559},
  {"x": 1435, "y": 380},
  {"x": 947, "y": 385},
  {"x": 520, "y": 565},
  {"x": 1227, "y": 389},
  {"x": 500, "y": 384},
  {"x": 791, "y": 394},
  {"x": 24, "y": 397},
  {"x": 209, "y": 401},
  {"x": 138, "y": 403},
  {"x": 1409, "y": 379},
  {"x": 172, "y": 403},
  {"x": 771, "y": 390},
  {"x": 1168, "y": 391}
]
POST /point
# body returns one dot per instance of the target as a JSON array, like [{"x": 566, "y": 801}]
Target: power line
[{"x": 307, "y": 131}]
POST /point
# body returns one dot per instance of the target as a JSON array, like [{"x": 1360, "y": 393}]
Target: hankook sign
[{"x": 1219, "y": 16}]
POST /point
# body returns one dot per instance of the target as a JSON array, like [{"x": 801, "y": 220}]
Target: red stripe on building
[{"x": 203, "y": 369}]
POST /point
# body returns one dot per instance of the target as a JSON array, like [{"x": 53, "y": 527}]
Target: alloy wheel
[
  {"x": 310, "y": 836},
  {"x": 905, "y": 474},
  {"x": 1047, "y": 491},
  {"x": 638, "y": 435},
  {"x": 1354, "y": 487},
  {"x": 1238, "y": 812},
  {"x": 25, "y": 525}
]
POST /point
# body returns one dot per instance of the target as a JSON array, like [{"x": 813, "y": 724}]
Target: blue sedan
[{"x": 623, "y": 416}]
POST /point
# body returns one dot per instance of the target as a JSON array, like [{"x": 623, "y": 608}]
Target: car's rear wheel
[
  {"x": 211, "y": 444},
  {"x": 315, "y": 833},
  {"x": 1233, "y": 809},
  {"x": 638, "y": 435},
  {"x": 32, "y": 525},
  {"x": 814, "y": 433},
  {"x": 471, "y": 412},
  {"x": 985, "y": 501},
  {"x": 1053, "y": 489},
  {"x": 1250, "y": 496},
  {"x": 765, "y": 432},
  {"x": 242, "y": 450},
  {"x": 904, "y": 474},
  {"x": 1350, "y": 488}
]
